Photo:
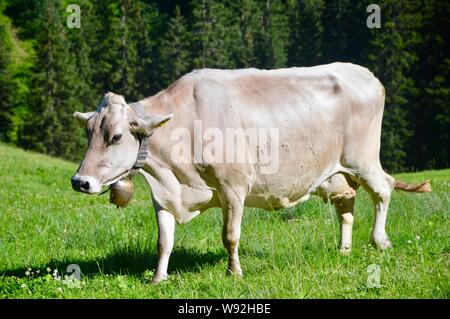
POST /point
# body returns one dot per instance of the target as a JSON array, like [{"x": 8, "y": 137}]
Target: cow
[{"x": 327, "y": 121}]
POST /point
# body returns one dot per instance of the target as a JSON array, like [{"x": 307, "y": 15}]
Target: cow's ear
[
  {"x": 146, "y": 125},
  {"x": 82, "y": 118}
]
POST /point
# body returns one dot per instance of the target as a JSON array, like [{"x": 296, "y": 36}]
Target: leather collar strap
[
  {"x": 142, "y": 154},
  {"x": 143, "y": 143}
]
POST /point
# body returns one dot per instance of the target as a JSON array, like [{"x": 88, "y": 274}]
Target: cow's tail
[{"x": 424, "y": 187}]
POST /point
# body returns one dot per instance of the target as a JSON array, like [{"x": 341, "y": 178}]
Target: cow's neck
[
  {"x": 175, "y": 188},
  {"x": 156, "y": 104}
]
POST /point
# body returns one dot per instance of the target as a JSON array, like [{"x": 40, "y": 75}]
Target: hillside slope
[{"x": 289, "y": 254}]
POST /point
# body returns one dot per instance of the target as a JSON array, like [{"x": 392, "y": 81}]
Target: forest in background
[{"x": 137, "y": 48}]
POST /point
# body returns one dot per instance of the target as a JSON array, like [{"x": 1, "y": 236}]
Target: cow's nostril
[
  {"x": 75, "y": 183},
  {"x": 84, "y": 185}
]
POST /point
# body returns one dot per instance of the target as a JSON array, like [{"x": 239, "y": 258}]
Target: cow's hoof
[
  {"x": 346, "y": 249},
  {"x": 158, "y": 278},
  {"x": 381, "y": 241},
  {"x": 237, "y": 272}
]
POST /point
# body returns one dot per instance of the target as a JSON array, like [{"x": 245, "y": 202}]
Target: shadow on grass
[{"x": 127, "y": 262}]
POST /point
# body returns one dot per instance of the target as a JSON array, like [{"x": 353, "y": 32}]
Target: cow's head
[{"x": 113, "y": 130}]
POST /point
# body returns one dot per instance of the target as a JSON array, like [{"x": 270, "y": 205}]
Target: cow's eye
[{"x": 116, "y": 138}]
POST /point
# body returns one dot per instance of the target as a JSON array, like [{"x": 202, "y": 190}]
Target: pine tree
[
  {"x": 272, "y": 39},
  {"x": 175, "y": 49},
  {"x": 305, "y": 43},
  {"x": 16, "y": 57},
  {"x": 346, "y": 36},
  {"x": 391, "y": 60},
  {"x": 82, "y": 42},
  {"x": 50, "y": 126},
  {"x": 126, "y": 48},
  {"x": 336, "y": 41},
  {"x": 6, "y": 81},
  {"x": 246, "y": 17},
  {"x": 127, "y": 54},
  {"x": 212, "y": 39},
  {"x": 429, "y": 106},
  {"x": 115, "y": 52},
  {"x": 145, "y": 32}
]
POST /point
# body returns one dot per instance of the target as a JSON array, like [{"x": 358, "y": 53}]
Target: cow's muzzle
[{"x": 86, "y": 184}]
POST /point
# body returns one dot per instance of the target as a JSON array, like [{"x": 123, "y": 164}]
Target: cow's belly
[
  {"x": 302, "y": 169},
  {"x": 274, "y": 195},
  {"x": 273, "y": 202}
]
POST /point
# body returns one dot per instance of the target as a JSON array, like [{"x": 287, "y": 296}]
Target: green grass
[{"x": 286, "y": 254}]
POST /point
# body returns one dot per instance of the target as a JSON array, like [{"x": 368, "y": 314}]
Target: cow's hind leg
[
  {"x": 379, "y": 185},
  {"x": 337, "y": 189},
  {"x": 344, "y": 210},
  {"x": 232, "y": 209}
]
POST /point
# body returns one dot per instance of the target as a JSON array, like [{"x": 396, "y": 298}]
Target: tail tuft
[{"x": 424, "y": 187}]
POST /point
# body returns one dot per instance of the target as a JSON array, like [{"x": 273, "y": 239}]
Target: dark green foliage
[
  {"x": 305, "y": 20},
  {"x": 83, "y": 44},
  {"x": 117, "y": 54},
  {"x": 55, "y": 82},
  {"x": 212, "y": 34},
  {"x": 146, "y": 32},
  {"x": 271, "y": 39},
  {"x": 391, "y": 58},
  {"x": 136, "y": 48},
  {"x": 247, "y": 19},
  {"x": 6, "y": 83},
  {"x": 430, "y": 121},
  {"x": 175, "y": 49}
]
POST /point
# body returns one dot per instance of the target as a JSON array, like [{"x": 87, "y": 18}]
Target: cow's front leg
[
  {"x": 232, "y": 209},
  {"x": 166, "y": 233}
]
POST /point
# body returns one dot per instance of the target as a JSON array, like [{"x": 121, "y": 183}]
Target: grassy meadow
[{"x": 45, "y": 226}]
